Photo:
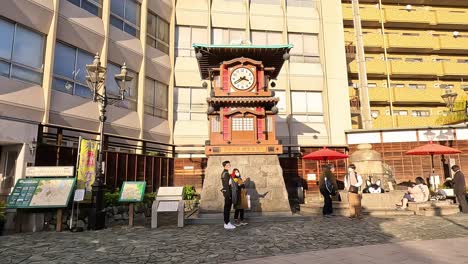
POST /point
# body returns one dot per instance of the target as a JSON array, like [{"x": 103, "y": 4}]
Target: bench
[
  {"x": 434, "y": 208},
  {"x": 168, "y": 199}
]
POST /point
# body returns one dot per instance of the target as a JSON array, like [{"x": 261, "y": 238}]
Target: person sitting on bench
[{"x": 419, "y": 193}]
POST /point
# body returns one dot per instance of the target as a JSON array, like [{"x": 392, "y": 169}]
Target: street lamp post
[
  {"x": 449, "y": 98},
  {"x": 96, "y": 76}
]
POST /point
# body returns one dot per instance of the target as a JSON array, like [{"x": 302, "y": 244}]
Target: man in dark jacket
[
  {"x": 227, "y": 192},
  {"x": 459, "y": 188},
  {"x": 329, "y": 174}
]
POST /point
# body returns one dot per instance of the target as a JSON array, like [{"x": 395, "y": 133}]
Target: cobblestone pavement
[{"x": 213, "y": 244}]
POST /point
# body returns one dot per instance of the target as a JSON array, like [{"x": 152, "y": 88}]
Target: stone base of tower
[{"x": 266, "y": 186}]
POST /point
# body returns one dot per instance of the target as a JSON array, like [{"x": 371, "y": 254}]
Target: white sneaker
[{"x": 229, "y": 226}]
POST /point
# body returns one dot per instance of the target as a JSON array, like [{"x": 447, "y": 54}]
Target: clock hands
[{"x": 243, "y": 78}]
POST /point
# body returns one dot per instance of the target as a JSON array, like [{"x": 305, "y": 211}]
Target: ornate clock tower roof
[{"x": 211, "y": 56}]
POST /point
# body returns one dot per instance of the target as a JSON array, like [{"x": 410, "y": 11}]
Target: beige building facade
[{"x": 45, "y": 45}]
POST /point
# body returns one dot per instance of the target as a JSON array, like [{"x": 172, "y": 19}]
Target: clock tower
[{"x": 241, "y": 113}]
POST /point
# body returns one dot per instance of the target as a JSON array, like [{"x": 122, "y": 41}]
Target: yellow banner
[{"x": 86, "y": 165}]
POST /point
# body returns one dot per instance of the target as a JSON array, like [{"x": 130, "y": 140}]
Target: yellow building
[
  {"x": 422, "y": 54},
  {"x": 45, "y": 45}
]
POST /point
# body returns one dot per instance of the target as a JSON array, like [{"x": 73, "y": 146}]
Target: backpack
[{"x": 329, "y": 186}]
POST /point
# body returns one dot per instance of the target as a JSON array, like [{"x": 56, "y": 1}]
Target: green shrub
[
  {"x": 189, "y": 192},
  {"x": 111, "y": 199},
  {"x": 149, "y": 198}
]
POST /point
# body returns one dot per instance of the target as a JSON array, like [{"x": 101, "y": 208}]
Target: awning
[{"x": 213, "y": 55}]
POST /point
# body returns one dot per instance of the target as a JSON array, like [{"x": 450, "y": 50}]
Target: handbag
[{"x": 353, "y": 189}]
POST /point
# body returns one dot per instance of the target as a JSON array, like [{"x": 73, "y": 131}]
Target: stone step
[
  {"x": 439, "y": 211},
  {"x": 387, "y": 212},
  {"x": 339, "y": 208},
  {"x": 208, "y": 219}
]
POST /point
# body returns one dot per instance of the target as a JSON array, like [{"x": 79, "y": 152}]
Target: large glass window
[
  {"x": 186, "y": 36},
  {"x": 305, "y": 48},
  {"x": 158, "y": 33},
  {"x": 301, "y": 3},
  {"x": 70, "y": 70},
  {"x": 266, "y": 37},
  {"x": 190, "y": 103},
  {"x": 131, "y": 94},
  {"x": 305, "y": 102},
  {"x": 125, "y": 15},
  {"x": 228, "y": 35},
  {"x": 92, "y": 6},
  {"x": 21, "y": 52},
  {"x": 156, "y": 98}
]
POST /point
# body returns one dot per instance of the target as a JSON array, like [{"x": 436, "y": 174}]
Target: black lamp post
[
  {"x": 96, "y": 82},
  {"x": 449, "y": 98}
]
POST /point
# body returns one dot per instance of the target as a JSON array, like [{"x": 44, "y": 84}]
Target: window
[
  {"x": 242, "y": 124},
  {"x": 156, "y": 98},
  {"x": 190, "y": 103},
  {"x": 410, "y": 34},
  {"x": 125, "y": 15},
  {"x": 215, "y": 124},
  {"x": 300, "y": 3},
  {"x": 305, "y": 47},
  {"x": 417, "y": 86},
  {"x": 393, "y": 59},
  {"x": 92, "y": 6},
  {"x": 462, "y": 61},
  {"x": 131, "y": 94},
  {"x": 414, "y": 60},
  {"x": 371, "y": 85},
  {"x": 445, "y": 86},
  {"x": 397, "y": 112},
  {"x": 70, "y": 70},
  {"x": 306, "y": 102},
  {"x": 420, "y": 113},
  {"x": 397, "y": 85},
  {"x": 21, "y": 52},
  {"x": 266, "y": 37},
  {"x": 186, "y": 36},
  {"x": 269, "y": 124},
  {"x": 227, "y": 35},
  {"x": 158, "y": 33}
]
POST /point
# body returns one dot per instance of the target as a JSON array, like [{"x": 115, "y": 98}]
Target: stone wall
[{"x": 265, "y": 186}]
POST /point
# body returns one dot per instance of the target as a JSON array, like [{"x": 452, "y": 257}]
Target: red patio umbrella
[
  {"x": 431, "y": 149},
  {"x": 325, "y": 154}
]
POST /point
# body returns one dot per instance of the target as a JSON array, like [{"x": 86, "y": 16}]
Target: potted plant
[
  {"x": 188, "y": 196},
  {"x": 2, "y": 216}
]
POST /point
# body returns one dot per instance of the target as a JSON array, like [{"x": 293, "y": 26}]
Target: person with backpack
[
  {"x": 352, "y": 183},
  {"x": 328, "y": 188}
]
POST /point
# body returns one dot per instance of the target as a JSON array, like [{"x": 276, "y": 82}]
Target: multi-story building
[
  {"x": 45, "y": 45},
  {"x": 415, "y": 51}
]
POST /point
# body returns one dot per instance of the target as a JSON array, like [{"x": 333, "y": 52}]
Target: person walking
[
  {"x": 353, "y": 182},
  {"x": 241, "y": 202},
  {"x": 226, "y": 190},
  {"x": 328, "y": 188},
  {"x": 459, "y": 188}
]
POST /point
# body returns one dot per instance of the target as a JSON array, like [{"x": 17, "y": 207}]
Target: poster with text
[{"x": 86, "y": 167}]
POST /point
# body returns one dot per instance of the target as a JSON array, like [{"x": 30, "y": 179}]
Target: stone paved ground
[{"x": 212, "y": 244}]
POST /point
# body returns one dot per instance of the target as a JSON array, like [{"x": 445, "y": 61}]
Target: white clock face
[{"x": 242, "y": 78}]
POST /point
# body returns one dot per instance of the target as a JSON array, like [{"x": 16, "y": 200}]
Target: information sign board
[{"x": 132, "y": 191}]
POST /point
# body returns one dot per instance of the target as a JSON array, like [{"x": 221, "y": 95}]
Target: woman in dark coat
[
  {"x": 459, "y": 188},
  {"x": 328, "y": 175}
]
